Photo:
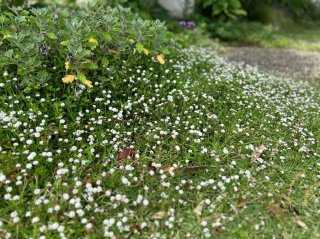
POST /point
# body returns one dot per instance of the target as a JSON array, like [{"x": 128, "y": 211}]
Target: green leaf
[
  {"x": 139, "y": 47},
  {"x": 43, "y": 74},
  {"x": 102, "y": 78},
  {"x": 81, "y": 77},
  {"x": 22, "y": 70},
  {"x": 165, "y": 51},
  {"x": 207, "y": 3},
  {"x": 4, "y": 19},
  {"x": 84, "y": 53},
  {"x": 106, "y": 36},
  {"x": 89, "y": 66},
  {"x": 51, "y": 35},
  {"x": 240, "y": 12},
  {"x": 105, "y": 61},
  {"x": 8, "y": 54},
  {"x": 65, "y": 43}
]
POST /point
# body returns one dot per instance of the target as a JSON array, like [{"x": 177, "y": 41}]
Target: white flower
[
  {"x": 35, "y": 220},
  {"x": 125, "y": 181},
  {"x": 2, "y": 177},
  {"x": 32, "y": 156},
  {"x": 29, "y": 141},
  {"x": 225, "y": 151},
  {"x": 145, "y": 202}
]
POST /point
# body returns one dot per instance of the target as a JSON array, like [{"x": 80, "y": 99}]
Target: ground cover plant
[{"x": 157, "y": 145}]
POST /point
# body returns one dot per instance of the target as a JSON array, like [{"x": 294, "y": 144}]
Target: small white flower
[
  {"x": 32, "y": 156},
  {"x": 35, "y": 220},
  {"x": 2, "y": 177},
  {"x": 145, "y": 202},
  {"x": 225, "y": 151}
]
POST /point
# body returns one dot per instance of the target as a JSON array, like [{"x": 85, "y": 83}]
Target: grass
[
  {"x": 301, "y": 36},
  {"x": 196, "y": 148},
  {"x": 295, "y": 35}
]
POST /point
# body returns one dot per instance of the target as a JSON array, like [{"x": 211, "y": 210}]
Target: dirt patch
[{"x": 291, "y": 63}]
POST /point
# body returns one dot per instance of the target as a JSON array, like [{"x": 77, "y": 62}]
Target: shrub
[
  {"x": 222, "y": 9},
  {"x": 298, "y": 8},
  {"x": 41, "y": 46},
  {"x": 244, "y": 32}
]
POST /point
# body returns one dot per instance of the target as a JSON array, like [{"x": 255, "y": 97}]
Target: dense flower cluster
[{"x": 177, "y": 151}]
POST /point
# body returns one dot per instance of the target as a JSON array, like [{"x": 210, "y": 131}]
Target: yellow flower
[
  {"x": 88, "y": 83},
  {"x": 68, "y": 79},
  {"x": 160, "y": 59},
  {"x": 6, "y": 35},
  {"x": 146, "y": 51},
  {"x": 67, "y": 65},
  {"x": 94, "y": 41}
]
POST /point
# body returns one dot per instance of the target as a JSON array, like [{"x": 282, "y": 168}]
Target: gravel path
[{"x": 288, "y": 62}]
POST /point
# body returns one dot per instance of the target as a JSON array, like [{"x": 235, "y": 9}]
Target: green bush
[
  {"x": 222, "y": 9},
  {"x": 242, "y": 32},
  {"x": 41, "y": 46},
  {"x": 298, "y": 8}
]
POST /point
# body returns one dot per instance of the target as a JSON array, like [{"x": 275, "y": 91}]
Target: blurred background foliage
[
  {"x": 274, "y": 23},
  {"x": 215, "y": 9}
]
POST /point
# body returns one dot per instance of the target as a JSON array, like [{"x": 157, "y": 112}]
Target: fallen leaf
[
  {"x": 68, "y": 79},
  {"x": 114, "y": 51},
  {"x": 166, "y": 169},
  {"x": 257, "y": 152},
  {"x": 302, "y": 224},
  {"x": 136, "y": 227},
  {"x": 88, "y": 83},
  {"x": 275, "y": 150},
  {"x": 159, "y": 215},
  {"x": 124, "y": 154},
  {"x": 243, "y": 202},
  {"x": 275, "y": 209},
  {"x": 307, "y": 194},
  {"x": 67, "y": 65},
  {"x": 198, "y": 209},
  {"x": 151, "y": 167},
  {"x": 146, "y": 51},
  {"x": 160, "y": 59}
]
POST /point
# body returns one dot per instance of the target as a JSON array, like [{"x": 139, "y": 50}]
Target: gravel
[{"x": 290, "y": 63}]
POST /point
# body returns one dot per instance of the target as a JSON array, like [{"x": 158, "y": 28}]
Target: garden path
[{"x": 289, "y": 62}]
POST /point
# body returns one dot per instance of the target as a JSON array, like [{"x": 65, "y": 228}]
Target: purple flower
[
  {"x": 191, "y": 24},
  {"x": 183, "y": 23}
]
